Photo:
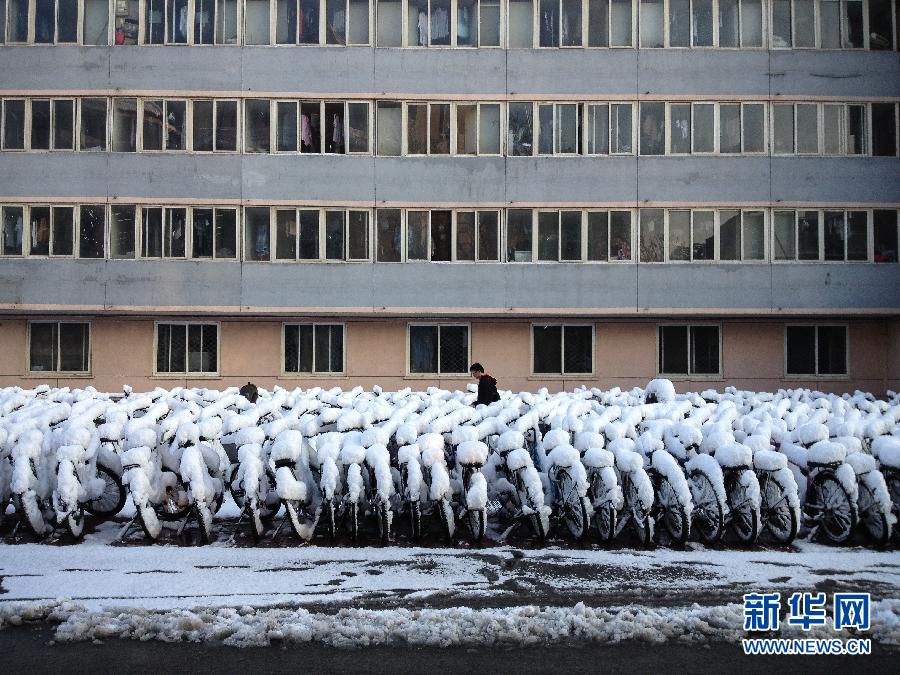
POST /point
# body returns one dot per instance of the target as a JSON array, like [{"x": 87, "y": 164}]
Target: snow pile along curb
[{"x": 460, "y": 626}]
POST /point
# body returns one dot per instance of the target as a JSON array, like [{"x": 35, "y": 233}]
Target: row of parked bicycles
[{"x": 647, "y": 465}]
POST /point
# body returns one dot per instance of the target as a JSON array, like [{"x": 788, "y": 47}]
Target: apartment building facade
[{"x": 343, "y": 192}]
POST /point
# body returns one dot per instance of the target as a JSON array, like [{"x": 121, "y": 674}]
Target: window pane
[
  {"x": 621, "y": 128},
  {"x": 256, "y": 22},
  {"x": 309, "y": 22},
  {"x": 153, "y": 125},
  {"x": 578, "y": 356},
  {"x": 545, "y": 129},
  {"x": 151, "y": 233},
  {"x": 570, "y": 235},
  {"x": 832, "y": 126},
  {"x": 423, "y": 349},
  {"x": 467, "y": 23},
  {"x": 74, "y": 347},
  {"x": 489, "y": 129},
  {"x": 488, "y": 235},
  {"x": 834, "y": 235},
  {"x": 729, "y": 23},
  {"x": 884, "y": 129},
  {"x": 309, "y": 234},
  {"x": 417, "y": 235},
  {"x": 730, "y": 235},
  {"x": 285, "y": 234},
  {"x": 783, "y": 129},
  {"x": 597, "y": 129},
  {"x": 417, "y": 129},
  {"x": 322, "y": 347},
  {"x": 334, "y": 128},
  {"x": 807, "y": 128},
  {"x": 652, "y": 235},
  {"x": 175, "y": 242},
  {"x": 257, "y": 126},
  {"x": 337, "y": 348},
  {"x": 203, "y": 126},
  {"x": 680, "y": 128},
  {"x": 754, "y": 235},
  {"x": 570, "y": 23},
  {"x": 679, "y": 235},
  {"x": 93, "y": 124},
  {"x": 204, "y": 22},
  {"x": 679, "y": 23},
  {"x": 121, "y": 232},
  {"x": 310, "y": 127},
  {"x": 358, "y": 235},
  {"x": 784, "y": 235},
  {"x": 704, "y": 127},
  {"x": 40, "y": 124},
  {"x": 441, "y": 241},
  {"x": 489, "y": 25},
  {"x": 358, "y": 124},
  {"x": 730, "y": 128},
  {"x": 673, "y": 350},
  {"x": 96, "y": 22},
  {"x": 467, "y": 129},
  {"x": 885, "y": 230},
  {"x": 440, "y": 129},
  {"x": 256, "y": 231},
  {"x": 64, "y": 124},
  {"x": 857, "y": 235},
  {"x": 620, "y": 30},
  {"x": 620, "y": 235},
  {"x": 63, "y": 230},
  {"x": 567, "y": 128},
  {"x": 754, "y": 127},
  {"x": 203, "y": 233},
  {"x": 13, "y": 229},
  {"x": 389, "y": 233},
  {"x": 598, "y": 23},
  {"x": 547, "y": 349},
  {"x": 880, "y": 24},
  {"x": 291, "y": 346},
  {"x": 286, "y": 134},
  {"x": 651, "y": 23},
  {"x": 226, "y": 234},
  {"x": 465, "y": 235},
  {"x": 454, "y": 357},
  {"x": 704, "y": 350},
  {"x": 286, "y": 21},
  {"x": 389, "y": 23},
  {"x": 808, "y": 235},
  {"x": 334, "y": 235},
  {"x": 805, "y": 24},
  {"x": 704, "y": 242},
  {"x": 44, "y": 21},
  {"x": 390, "y": 130},
  {"x": 518, "y": 235},
  {"x": 125, "y": 122},
  {"x": 598, "y": 235},
  {"x": 548, "y": 23},
  {"x": 17, "y": 26},
  {"x": 521, "y": 20},
  {"x": 520, "y": 126},
  {"x": 91, "y": 231},
  {"x": 548, "y": 235},
  {"x": 801, "y": 350},
  {"x": 856, "y": 129},
  {"x": 751, "y": 23},
  {"x": 832, "y": 357},
  {"x": 40, "y": 230},
  {"x": 42, "y": 352},
  {"x": 226, "y": 126},
  {"x": 702, "y": 22},
  {"x": 176, "y": 125},
  {"x": 298, "y": 352},
  {"x": 653, "y": 137}
]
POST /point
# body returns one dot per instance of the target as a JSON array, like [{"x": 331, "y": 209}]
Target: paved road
[{"x": 25, "y": 650}]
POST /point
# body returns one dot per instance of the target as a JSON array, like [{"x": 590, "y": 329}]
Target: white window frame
[
  {"x": 56, "y": 371},
  {"x": 439, "y": 325},
  {"x": 26, "y": 230},
  {"x": 187, "y": 373},
  {"x": 139, "y": 238},
  {"x": 314, "y": 372},
  {"x": 816, "y": 375},
  {"x": 870, "y": 234},
  {"x": 688, "y": 325},
  {"x": 189, "y": 239},
  {"x": 562, "y": 373}
]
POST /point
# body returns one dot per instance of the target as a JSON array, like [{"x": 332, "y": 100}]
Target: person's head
[{"x": 477, "y": 370}]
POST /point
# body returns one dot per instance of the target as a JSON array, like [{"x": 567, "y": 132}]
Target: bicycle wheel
[
  {"x": 873, "y": 520},
  {"x": 353, "y": 521},
  {"x": 709, "y": 518},
  {"x": 148, "y": 521},
  {"x": 777, "y": 515},
  {"x": 270, "y": 502},
  {"x": 444, "y": 513},
  {"x": 415, "y": 519},
  {"x": 330, "y": 520},
  {"x": 175, "y": 504},
  {"x": 673, "y": 513},
  {"x": 892, "y": 479},
  {"x": 236, "y": 487},
  {"x": 204, "y": 522},
  {"x": 836, "y": 513},
  {"x": 572, "y": 510},
  {"x": 257, "y": 527},
  {"x": 605, "y": 518},
  {"x": 476, "y": 522},
  {"x": 30, "y": 511},
  {"x": 639, "y": 516},
  {"x": 74, "y": 522},
  {"x": 111, "y": 500},
  {"x": 384, "y": 525},
  {"x": 744, "y": 515}
]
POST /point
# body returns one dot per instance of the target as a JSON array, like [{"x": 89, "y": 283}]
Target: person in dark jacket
[{"x": 487, "y": 385}]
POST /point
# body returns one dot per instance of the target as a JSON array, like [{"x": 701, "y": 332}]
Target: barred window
[
  {"x": 59, "y": 346},
  {"x": 313, "y": 348},
  {"x": 815, "y": 350},
  {"x": 438, "y": 349},
  {"x": 187, "y": 348},
  {"x": 562, "y": 349},
  {"x": 689, "y": 350}
]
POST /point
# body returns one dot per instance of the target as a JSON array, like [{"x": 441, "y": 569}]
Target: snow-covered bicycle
[{"x": 524, "y": 490}]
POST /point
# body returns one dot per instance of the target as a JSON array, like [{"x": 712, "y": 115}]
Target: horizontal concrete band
[
  {"x": 458, "y": 72},
  {"x": 344, "y": 179},
  {"x": 146, "y": 286}
]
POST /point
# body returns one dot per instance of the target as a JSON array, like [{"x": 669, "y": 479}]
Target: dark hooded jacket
[{"x": 487, "y": 390}]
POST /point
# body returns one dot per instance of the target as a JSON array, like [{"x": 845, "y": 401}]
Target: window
[
  {"x": 560, "y": 236},
  {"x": 562, "y": 350},
  {"x": 92, "y": 231},
  {"x": 389, "y": 118},
  {"x": 884, "y": 129},
  {"x": 652, "y": 131},
  {"x": 841, "y": 24},
  {"x": 389, "y": 236},
  {"x": 689, "y": 350},
  {"x": 256, "y": 22},
  {"x": 815, "y": 350},
  {"x": 214, "y": 233},
  {"x": 59, "y": 347},
  {"x": 187, "y": 348},
  {"x": 652, "y": 235},
  {"x": 13, "y": 124},
  {"x": 215, "y": 126},
  {"x": 95, "y": 25},
  {"x": 478, "y": 129},
  {"x": 257, "y": 125},
  {"x": 256, "y": 233},
  {"x": 122, "y": 225},
  {"x": 621, "y": 142},
  {"x": 301, "y": 21},
  {"x": 125, "y": 123},
  {"x": 438, "y": 349},
  {"x": 432, "y": 23},
  {"x": 13, "y": 230},
  {"x": 880, "y": 20},
  {"x": 297, "y": 234},
  {"x": 428, "y": 128},
  {"x": 520, "y": 131},
  {"x": 163, "y": 232},
  {"x": 345, "y": 128},
  {"x": 885, "y": 235},
  {"x": 165, "y": 125},
  {"x": 346, "y": 235},
  {"x": 651, "y": 23},
  {"x": 518, "y": 235},
  {"x": 52, "y": 125},
  {"x": 51, "y": 230},
  {"x": 558, "y": 132},
  {"x": 831, "y": 235},
  {"x": 313, "y": 348}
]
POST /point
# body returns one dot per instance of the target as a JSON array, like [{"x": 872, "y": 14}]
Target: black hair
[{"x": 476, "y": 367}]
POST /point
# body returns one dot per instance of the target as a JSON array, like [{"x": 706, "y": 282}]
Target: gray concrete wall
[{"x": 495, "y": 289}]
